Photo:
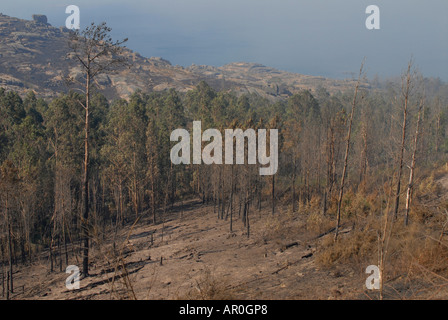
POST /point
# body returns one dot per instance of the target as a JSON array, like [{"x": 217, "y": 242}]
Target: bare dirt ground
[
  {"x": 193, "y": 255},
  {"x": 199, "y": 258}
]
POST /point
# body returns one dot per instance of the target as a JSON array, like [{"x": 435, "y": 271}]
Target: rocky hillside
[{"x": 33, "y": 55}]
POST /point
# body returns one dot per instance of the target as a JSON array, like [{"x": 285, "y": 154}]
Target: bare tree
[
  {"x": 96, "y": 53},
  {"x": 405, "y": 92},
  {"x": 347, "y": 150},
  {"x": 412, "y": 167}
]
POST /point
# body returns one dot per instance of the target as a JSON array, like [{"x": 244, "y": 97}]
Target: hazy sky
[{"x": 317, "y": 37}]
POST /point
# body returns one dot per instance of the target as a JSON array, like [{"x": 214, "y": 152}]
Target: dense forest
[{"x": 398, "y": 135}]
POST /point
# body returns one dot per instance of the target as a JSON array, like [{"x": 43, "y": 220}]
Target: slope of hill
[
  {"x": 33, "y": 56},
  {"x": 192, "y": 255}
]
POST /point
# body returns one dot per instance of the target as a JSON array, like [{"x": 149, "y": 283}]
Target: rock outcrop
[
  {"x": 34, "y": 55},
  {"x": 40, "y": 18}
]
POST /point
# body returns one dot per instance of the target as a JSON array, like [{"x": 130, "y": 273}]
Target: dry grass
[
  {"x": 317, "y": 223},
  {"x": 416, "y": 263},
  {"x": 359, "y": 248},
  {"x": 272, "y": 226},
  {"x": 209, "y": 287}
]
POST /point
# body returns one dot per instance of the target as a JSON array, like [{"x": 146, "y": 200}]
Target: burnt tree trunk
[
  {"x": 85, "y": 183},
  {"x": 411, "y": 174},
  {"x": 405, "y": 92},
  {"x": 347, "y": 151}
]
